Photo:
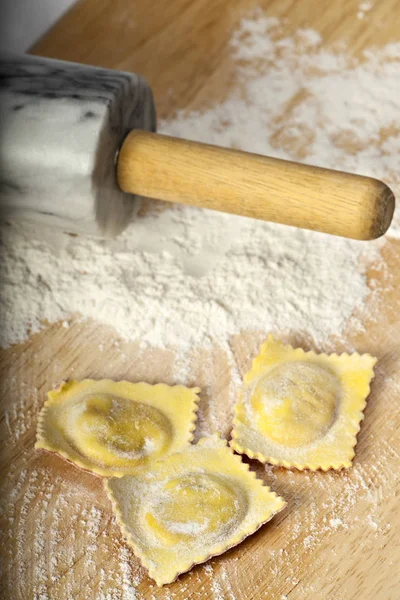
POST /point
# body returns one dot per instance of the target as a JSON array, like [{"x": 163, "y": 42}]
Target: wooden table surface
[{"x": 338, "y": 538}]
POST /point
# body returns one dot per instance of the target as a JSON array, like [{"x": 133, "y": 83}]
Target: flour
[
  {"x": 187, "y": 277},
  {"x": 363, "y": 8},
  {"x": 335, "y": 523},
  {"x": 273, "y": 278}
]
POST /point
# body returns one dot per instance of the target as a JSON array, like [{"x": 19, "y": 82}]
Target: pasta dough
[
  {"x": 190, "y": 506},
  {"x": 113, "y": 428},
  {"x": 302, "y": 409}
]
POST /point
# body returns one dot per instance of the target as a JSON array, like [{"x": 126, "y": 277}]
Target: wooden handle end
[
  {"x": 175, "y": 170},
  {"x": 383, "y": 210}
]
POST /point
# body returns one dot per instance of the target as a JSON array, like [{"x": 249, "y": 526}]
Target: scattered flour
[
  {"x": 363, "y": 8},
  {"x": 155, "y": 283},
  {"x": 186, "y": 277},
  {"x": 335, "y": 523}
]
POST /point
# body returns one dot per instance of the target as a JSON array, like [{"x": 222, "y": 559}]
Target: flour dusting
[
  {"x": 186, "y": 277},
  {"x": 189, "y": 277}
]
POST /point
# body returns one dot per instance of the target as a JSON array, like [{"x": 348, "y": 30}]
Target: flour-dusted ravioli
[
  {"x": 113, "y": 428},
  {"x": 190, "y": 506},
  {"x": 302, "y": 409}
]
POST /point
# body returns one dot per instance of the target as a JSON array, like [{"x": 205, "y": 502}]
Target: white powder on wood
[
  {"x": 363, "y": 8},
  {"x": 187, "y": 277},
  {"x": 155, "y": 283},
  {"x": 335, "y": 523}
]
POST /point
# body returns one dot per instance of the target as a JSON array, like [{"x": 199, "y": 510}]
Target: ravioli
[
  {"x": 302, "y": 409},
  {"x": 113, "y": 428},
  {"x": 190, "y": 506}
]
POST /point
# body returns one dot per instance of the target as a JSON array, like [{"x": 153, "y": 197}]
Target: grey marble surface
[{"x": 61, "y": 126}]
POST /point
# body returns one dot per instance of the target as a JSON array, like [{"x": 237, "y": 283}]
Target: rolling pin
[{"x": 78, "y": 148}]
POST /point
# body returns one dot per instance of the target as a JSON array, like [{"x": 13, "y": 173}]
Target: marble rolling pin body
[
  {"x": 78, "y": 148},
  {"x": 61, "y": 126}
]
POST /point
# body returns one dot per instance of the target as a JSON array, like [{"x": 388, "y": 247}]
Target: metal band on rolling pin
[{"x": 61, "y": 128}]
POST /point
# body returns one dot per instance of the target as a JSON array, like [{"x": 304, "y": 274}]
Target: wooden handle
[{"x": 251, "y": 185}]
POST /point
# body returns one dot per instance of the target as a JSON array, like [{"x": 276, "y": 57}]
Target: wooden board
[{"x": 338, "y": 539}]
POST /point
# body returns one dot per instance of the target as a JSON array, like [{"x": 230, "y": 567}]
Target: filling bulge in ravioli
[
  {"x": 196, "y": 504},
  {"x": 295, "y": 402},
  {"x": 190, "y": 506},
  {"x": 117, "y": 431},
  {"x": 112, "y": 428},
  {"x": 302, "y": 409}
]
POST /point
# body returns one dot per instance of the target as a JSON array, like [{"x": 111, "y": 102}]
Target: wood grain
[
  {"x": 338, "y": 539},
  {"x": 182, "y": 47}
]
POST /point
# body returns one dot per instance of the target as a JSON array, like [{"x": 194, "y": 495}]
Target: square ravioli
[
  {"x": 115, "y": 427},
  {"x": 302, "y": 409},
  {"x": 189, "y": 507}
]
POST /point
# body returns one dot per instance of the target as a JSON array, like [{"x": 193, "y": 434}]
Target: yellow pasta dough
[
  {"x": 302, "y": 409},
  {"x": 113, "y": 428},
  {"x": 190, "y": 506}
]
